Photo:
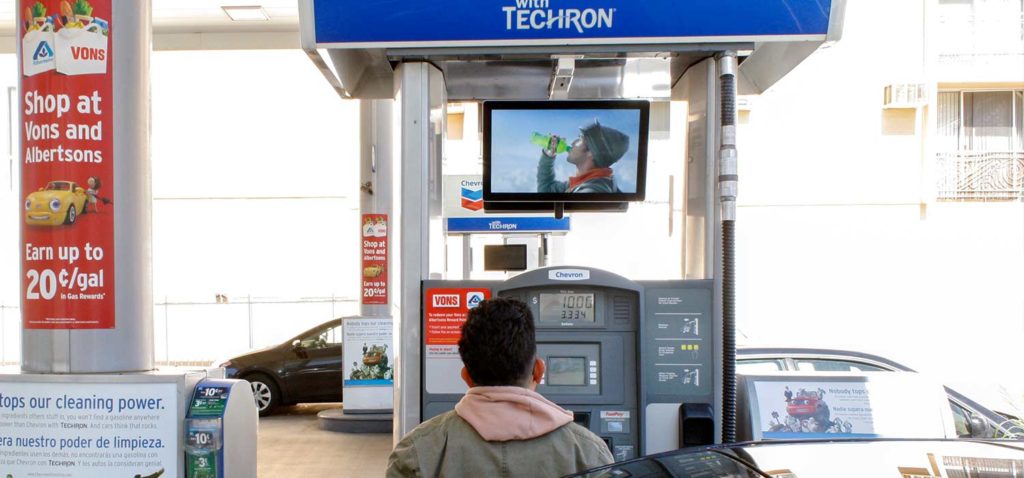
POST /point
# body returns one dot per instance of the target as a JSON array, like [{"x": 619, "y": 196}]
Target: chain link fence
[{"x": 189, "y": 333}]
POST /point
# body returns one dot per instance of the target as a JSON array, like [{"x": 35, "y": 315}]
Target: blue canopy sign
[{"x": 418, "y": 23}]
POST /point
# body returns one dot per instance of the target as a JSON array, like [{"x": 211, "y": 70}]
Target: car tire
[
  {"x": 71, "y": 216},
  {"x": 266, "y": 393}
]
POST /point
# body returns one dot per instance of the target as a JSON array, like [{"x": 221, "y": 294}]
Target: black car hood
[{"x": 255, "y": 355}]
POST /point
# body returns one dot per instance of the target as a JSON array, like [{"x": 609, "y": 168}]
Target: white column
[{"x": 128, "y": 347}]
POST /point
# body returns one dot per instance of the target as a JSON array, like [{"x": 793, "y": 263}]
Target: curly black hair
[{"x": 499, "y": 343}]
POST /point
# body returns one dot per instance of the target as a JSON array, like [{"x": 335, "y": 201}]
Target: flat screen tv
[{"x": 583, "y": 154}]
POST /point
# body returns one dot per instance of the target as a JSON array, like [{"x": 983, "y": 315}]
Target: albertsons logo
[
  {"x": 473, "y": 299},
  {"x": 538, "y": 15},
  {"x": 43, "y": 53}
]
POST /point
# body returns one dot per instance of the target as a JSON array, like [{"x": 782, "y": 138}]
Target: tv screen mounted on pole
[{"x": 583, "y": 154}]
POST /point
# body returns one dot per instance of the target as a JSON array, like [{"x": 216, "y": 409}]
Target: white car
[{"x": 972, "y": 419}]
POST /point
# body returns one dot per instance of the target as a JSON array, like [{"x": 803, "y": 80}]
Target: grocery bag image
[
  {"x": 37, "y": 44},
  {"x": 82, "y": 42},
  {"x": 81, "y": 51}
]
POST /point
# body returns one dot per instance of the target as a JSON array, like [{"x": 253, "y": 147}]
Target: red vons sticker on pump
[
  {"x": 67, "y": 164},
  {"x": 446, "y": 311}
]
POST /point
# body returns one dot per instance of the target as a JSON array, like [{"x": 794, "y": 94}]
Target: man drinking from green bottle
[{"x": 593, "y": 153}]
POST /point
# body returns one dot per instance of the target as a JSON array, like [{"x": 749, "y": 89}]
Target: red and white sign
[
  {"x": 375, "y": 259},
  {"x": 67, "y": 164},
  {"x": 446, "y": 311}
]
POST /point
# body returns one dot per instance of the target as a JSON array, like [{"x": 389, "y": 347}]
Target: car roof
[
  {"x": 800, "y": 352},
  {"x": 751, "y": 352},
  {"x": 328, "y": 324}
]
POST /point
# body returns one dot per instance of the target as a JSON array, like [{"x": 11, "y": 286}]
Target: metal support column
[
  {"x": 375, "y": 180},
  {"x": 420, "y": 92}
]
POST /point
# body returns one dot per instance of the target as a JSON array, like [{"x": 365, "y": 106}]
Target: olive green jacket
[{"x": 448, "y": 446}]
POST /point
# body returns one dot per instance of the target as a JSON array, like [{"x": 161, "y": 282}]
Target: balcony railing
[
  {"x": 980, "y": 176},
  {"x": 979, "y": 38}
]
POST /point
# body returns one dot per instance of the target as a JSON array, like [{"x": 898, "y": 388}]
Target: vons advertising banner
[
  {"x": 67, "y": 164},
  {"x": 375, "y": 259},
  {"x": 445, "y": 310}
]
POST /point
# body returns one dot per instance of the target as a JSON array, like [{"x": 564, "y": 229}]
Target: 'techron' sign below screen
[
  {"x": 67, "y": 172},
  {"x": 524, "y": 22}
]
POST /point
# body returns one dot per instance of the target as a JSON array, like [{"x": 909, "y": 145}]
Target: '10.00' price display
[{"x": 578, "y": 307}]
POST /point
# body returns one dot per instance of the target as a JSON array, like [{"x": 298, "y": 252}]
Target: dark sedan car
[
  {"x": 305, "y": 368},
  {"x": 824, "y": 459}
]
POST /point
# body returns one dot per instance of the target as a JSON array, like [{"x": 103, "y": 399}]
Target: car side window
[
  {"x": 961, "y": 420},
  {"x": 828, "y": 365},
  {"x": 754, "y": 366},
  {"x": 326, "y": 338}
]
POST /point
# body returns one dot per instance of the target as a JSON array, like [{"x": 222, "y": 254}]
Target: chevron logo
[{"x": 472, "y": 199}]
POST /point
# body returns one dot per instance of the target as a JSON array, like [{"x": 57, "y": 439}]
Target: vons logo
[
  {"x": 446, "y": 300},
  {"x": 83, "y": 53},
  {"x": 473, "y": 299},
  {"x": 538, "y": 15}
]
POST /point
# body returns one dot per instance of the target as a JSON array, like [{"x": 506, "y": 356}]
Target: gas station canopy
[{"x": 540, "y": 49}]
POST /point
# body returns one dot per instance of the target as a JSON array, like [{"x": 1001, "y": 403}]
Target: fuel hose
[{"x": 727, "y": 186}]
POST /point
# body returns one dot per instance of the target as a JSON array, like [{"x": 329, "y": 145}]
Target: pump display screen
[
  {"x": 567, "y": 371},
  {"x": 566, "y": 307}
]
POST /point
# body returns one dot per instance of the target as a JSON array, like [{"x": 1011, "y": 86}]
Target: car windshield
[{"x": 58, "y": 186}]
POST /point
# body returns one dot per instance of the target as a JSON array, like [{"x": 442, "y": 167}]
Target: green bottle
[{"x": 544, "y": 141}]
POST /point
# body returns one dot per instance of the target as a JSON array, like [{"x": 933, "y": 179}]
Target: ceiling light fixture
[{"x": 246, "y": 13}]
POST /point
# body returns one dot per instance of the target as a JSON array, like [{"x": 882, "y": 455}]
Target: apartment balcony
[
  {"x": 980, "y": 176},
  {"x": 973, "y": 48}
]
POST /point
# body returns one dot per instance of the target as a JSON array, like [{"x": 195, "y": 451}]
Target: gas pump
[
  {"x": 649, "y": 368},
  {"x": 635, "y": 361}
]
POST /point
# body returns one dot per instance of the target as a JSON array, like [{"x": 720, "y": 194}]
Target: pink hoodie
[{"x": 510, "y": 413}]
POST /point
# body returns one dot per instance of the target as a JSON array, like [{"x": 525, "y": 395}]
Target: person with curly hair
[{"x": 502, "y": 426}]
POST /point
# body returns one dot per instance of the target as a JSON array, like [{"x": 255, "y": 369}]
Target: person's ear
[
  {"x": 539, "y": 367},
  {"x": 466, "y": 378}
]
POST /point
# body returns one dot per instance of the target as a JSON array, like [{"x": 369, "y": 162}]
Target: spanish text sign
[
  {"x": 366, "y": 23},
  {"x": 67, "y": 181},
  {"x": 88, "y": 430}
]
